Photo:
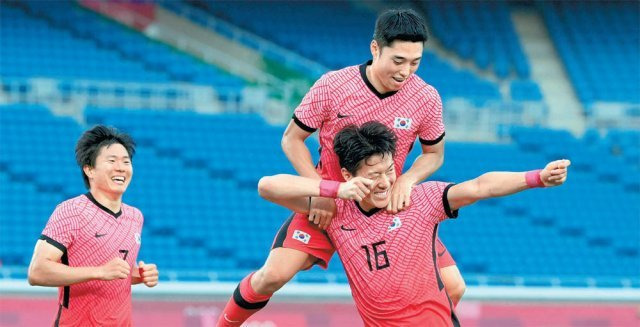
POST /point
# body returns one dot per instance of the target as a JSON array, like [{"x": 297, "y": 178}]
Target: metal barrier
[{"x": 70, "y": 97}]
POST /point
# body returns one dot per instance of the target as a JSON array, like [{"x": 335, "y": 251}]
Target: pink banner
[
  {"x": 25, "y": 311},
  {"x": 137, "y": 15}
]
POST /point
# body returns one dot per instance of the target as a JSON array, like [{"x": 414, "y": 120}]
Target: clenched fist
[
  {"x": 356, "y": 188},
  {"x": 148, "y": 273},
  {"x": 114, "y": 269},
  {"x": 555, "y": 173}
]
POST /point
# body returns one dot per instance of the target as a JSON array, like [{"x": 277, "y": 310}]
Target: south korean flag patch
[
  {"x": 395, "y": 224},
  {"x": 402, "y": 123},
  {"x": 301, "y": 236}
]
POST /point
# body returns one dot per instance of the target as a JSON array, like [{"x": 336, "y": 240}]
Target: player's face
[
  {"x": 395, "y": 63},
  {"x": 380, "y": 169},
  {"x": 112, "y": 172}
]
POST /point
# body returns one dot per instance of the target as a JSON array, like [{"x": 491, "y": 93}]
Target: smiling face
[
  {"x": 112, "y": 171},
  {"x": 394, "y": 64},
  {"x": 380, "y": 169}
]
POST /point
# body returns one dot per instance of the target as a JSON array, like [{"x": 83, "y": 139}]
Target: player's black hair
[
  {"x": 91, "y": 141},
  {"x": 399, "y": 24},
  {"x": 354, "y": 145}
]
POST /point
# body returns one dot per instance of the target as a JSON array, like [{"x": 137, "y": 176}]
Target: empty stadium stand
[
  {"x": 599, "y": 43},
  {"x": 62, "y": 40},
  {"x": 337, "y": 34},
  {"x": 479, "y": 31}
]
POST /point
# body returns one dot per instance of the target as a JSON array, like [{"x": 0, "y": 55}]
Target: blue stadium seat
[
  {"x": 42, "y": 39},
  {"x": 599, "y": 43},
  {"x": 340, "y": 34},
  {"x": 480, "y": 31}
]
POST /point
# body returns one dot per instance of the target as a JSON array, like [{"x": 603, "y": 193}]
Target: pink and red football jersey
[
  {"x": 89, "y": 234},
  {"x": 346, "y": 96},
  {"x": 390, "y": 259}
]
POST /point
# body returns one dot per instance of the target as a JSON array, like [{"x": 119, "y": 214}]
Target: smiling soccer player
[
  {"x": 390, "y": 258},
  {"x": 91, "y": 242}
]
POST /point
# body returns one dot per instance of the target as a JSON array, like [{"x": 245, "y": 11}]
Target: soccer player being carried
[
  {"x": 384, "y": 89},
  {"x": 90, "y": 243},
  {"x": 390, "y": 258}
]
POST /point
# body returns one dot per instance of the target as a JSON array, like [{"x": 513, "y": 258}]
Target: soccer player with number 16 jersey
[{"x": 390, "y": 258}]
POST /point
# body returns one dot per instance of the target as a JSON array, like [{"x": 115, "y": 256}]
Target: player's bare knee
[{"x": 272, "y": 279}]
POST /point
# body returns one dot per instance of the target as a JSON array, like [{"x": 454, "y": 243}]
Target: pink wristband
[
  {"x": 329, "y": 189},
  {"x": 533, "y": 178}
]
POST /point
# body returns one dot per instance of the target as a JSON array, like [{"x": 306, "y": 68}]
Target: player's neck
[
  {"x": 112, "y": 202},
  {"x": 366, "y": 206},
  {"x": 374, "y": 81}
]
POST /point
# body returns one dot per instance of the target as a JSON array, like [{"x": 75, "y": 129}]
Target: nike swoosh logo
[
  {"x": 100, "y": 235},
  {"x": 347, "y": 229},
  {"x": 229, "y": 320},
  {"x": 442, "y": 253},
  {"x": 343, "y": 116}
]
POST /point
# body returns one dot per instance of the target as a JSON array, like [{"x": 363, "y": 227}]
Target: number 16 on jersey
[{"x": 379, "y": 255}]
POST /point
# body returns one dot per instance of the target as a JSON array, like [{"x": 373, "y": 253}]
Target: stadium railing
[
  {"x": 134, "y": 95},
  {"x": 614, "y": 115},
  {"x": 467, "y": 122}
]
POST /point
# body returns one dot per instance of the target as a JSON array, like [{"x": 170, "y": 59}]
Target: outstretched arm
[
  {"x": 496, "y": 184},
  {"x": 293, "y": 191}
]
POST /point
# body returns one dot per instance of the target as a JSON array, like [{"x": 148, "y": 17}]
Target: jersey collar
[
  {"x": 363, "y": 73},
  {"x": 105, "y": 209},
  {"x": 369, "y": 213}
]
